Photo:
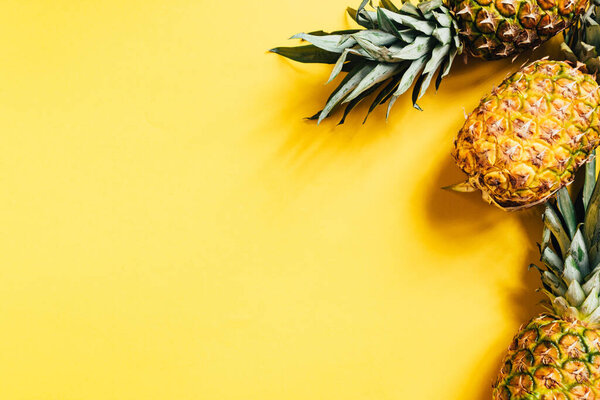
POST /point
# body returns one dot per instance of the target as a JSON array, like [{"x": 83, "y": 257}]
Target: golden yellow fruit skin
[
  {"x": 527, "y": 138},
  {"x": 551, "y": 358},
  {"x": 494, "y": 29}
]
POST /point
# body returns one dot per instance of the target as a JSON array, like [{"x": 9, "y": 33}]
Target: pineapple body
[
  {"x": 501, "y": 28},
  {"x": 551, "y": 359},
  {"x": 528, "y": 137}
]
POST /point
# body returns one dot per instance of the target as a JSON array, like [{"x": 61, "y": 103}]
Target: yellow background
[{"x": 171, "y": 227}]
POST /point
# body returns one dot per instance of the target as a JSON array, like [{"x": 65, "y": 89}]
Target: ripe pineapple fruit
[
  {"x": 527, "y": 138},
  {"x": 556, "y": 355},
  {"x": 407, "y": 44}
]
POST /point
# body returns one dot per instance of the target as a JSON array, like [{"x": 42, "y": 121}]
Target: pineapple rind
[
  {"x": 503, "y": 28},
  {"x": 528, "y": 137},
  {"x": 551, "y": 358}
]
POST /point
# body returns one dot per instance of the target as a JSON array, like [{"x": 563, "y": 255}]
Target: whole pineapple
[
  {"x": 527, "y": 138},
  {"x": 410, "y": 44},
  {"x": 556, "y": 355}
]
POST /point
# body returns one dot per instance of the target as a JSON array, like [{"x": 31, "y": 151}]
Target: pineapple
[
  {"x": 410, "y": 44},
  {"x": 527, "y": 138},
  {"x": 556, "y": 355}
]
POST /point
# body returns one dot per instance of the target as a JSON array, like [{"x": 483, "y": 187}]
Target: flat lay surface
[{"x": 172, "y": 227}]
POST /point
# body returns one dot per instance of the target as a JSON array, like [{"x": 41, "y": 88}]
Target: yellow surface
[{"x": 173, "y": 229}]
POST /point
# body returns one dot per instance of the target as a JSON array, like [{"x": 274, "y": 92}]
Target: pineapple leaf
[
  {"x": 342, "y": 32},
  {"x": 374, "y": 52},
  {"x": 552, "y": 260},
  {"x": 565, "y": 206},
  {"x": 594, "y": 317},
  {"x": 426, "y": 82},
  {"x": 375, "y": 36},
  {"x": 351, "y": 80},
  {"x": 427, "y": 6},
  {"x": 443, "y": 18},
  {"x": 354, "y": 15},
  {"x": 592, "y": 283},
  {"x": 579, "y": 253},
  {"x": 362, "y": 6},
  {"x": 591, "y": 225},
  {"x": 409, "y": 76},
  {"x": 386, "y": 24},
  {"x": 437, "y": 56},
  {"x": 390, "y": 105},
  {"x": 389, "y": 5},
  {"x": 575, "y": 294},
  {"x": 443, "y": 35},
  {"x": 591, "y": 302},
  {"x": 553, "y": 283},
  {"x": 332, "y": 43},
  {"x": 563, "y": 308},
  {"x": 552, "y": 221},
  {"x": 592, "y": 35},
  {"x": 337, "y": 68},
  {"x": 357, "y": 100},
  {"x": 380, "y": 73},
  {"x": 417, "y": 90},
  {"x": 421, "y": 41},
  {"x": 590, "y": 179},
  {"x": 408, "y": 35},
  {"x": 571, "y": 273},
  {"x": 410, "y": 9},
  {"x": 546, "y": 239},
  {"x": 448, "y": 66},
  {"x": 417, "y": 49},
  {"x": 440, "y": 76},
  {"x": 314, "y": 116},
  {"x": 359, "y": 15},
  {"x": 425, "y": 27},
  {"x": 383, "y": 95},
  {"x": 307, "y": 54}
]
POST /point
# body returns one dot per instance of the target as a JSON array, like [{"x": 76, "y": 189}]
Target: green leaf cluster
[
  {"x": 396, "y": 49},
  {"x": 582, "y": 40},
  {"x": 570, "y": 251}
]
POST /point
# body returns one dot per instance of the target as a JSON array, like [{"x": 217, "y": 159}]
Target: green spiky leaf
[
  {"x": 307, "y": 54},
  {"x": 421, "y": 41}
]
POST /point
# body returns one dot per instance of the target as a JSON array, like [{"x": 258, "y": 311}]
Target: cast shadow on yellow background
[
  {"x": 173, "y": 229},
  {"x": 447, "y": 210},
  {"x": 453, "y": 219}
]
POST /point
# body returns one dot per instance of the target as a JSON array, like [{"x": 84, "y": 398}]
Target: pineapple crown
[
  {"x": 570, "y": 251},
  {"x": 398, "y": 47},
  {"x": 582, "y": 40}
]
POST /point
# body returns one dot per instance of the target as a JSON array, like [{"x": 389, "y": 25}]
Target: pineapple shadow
[
  {"x": 306, "y": 142},
  {"x": 308, "y": 148},
  {"x": 445, "y": 209}
]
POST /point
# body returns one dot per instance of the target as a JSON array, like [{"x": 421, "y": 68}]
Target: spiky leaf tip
[{"x": 396, "y": 49}]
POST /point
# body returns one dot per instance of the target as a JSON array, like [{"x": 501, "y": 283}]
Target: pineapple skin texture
[
  {"x": 527, "y": 138},
  {"x": 551, "y": 359},
  {"x": 494, "y": 29}
]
